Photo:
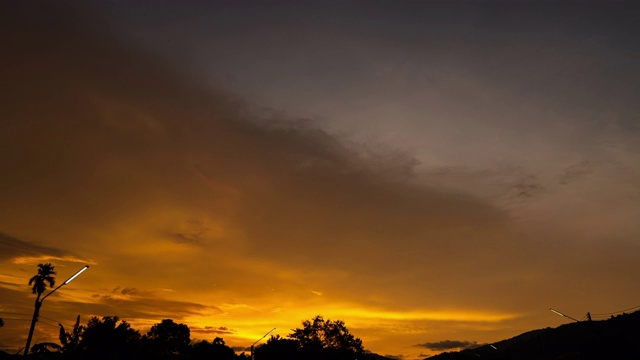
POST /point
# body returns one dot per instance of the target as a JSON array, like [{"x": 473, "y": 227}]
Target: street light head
[
  {"x": 564, "y": 315},
  {"x": 76, "y": 274},
  {"x": 558, "y": 312}
]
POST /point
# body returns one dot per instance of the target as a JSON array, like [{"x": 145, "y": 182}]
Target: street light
[
  {"x": 36, "y": 312},
  {"x": 564, "y": 315},
  {"x": 264, "y": 336}
]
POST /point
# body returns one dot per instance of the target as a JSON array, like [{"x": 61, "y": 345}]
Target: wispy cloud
[
  {"x": 24, "y": 252},
  {"x": 449, "y": 345},
  {"x": 575, "y": 172},
  {"x": 148, "y": 307},
  {"x": 221, "y": 330}
]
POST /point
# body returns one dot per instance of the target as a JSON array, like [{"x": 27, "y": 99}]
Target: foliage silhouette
[
  {"x": 40, "y": 280},
  {"x": 217, "y": 349},
  {"x": 279, "y": 348},
  {"x": 616, "y": 338},
  {"x": 317, "y": 339},
  {"x": 167, "y": 340},
  {"x": 45, "y": 348},
  {"x": 70, "y": 341},
  {"x": 109, "y": 338}
]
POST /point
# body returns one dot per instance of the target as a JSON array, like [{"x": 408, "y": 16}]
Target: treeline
[{"x": 110, "y": 338}]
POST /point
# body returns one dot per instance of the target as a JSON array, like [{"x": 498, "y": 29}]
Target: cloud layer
[{"x": 190, "y": 203}]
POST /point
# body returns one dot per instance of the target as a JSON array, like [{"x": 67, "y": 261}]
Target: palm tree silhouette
[
  {"x": 39, "y": 282},
  {"x": 42, "y": 278}
]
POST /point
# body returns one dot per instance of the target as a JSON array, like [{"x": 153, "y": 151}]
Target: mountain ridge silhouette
[{"x": 615, "y": 338}]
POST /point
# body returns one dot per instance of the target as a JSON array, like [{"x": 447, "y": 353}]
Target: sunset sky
[{"x": 435, "y": 174}]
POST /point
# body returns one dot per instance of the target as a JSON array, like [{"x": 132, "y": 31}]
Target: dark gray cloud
[
  {"x": 148, "y": 307},
  {"x": 576, "y": 172},
  {"x": 394, "y": 357},
  {"x": 140, "y": 136},
  {"x": 506, "y": 185},
  {"x": 213, "y": 330},
  {"x": 185, "y": 238},
  {"x": 12, "y": 247},
  {"x": 449, "y": 345},
  {"x": 191, "y": 232},
  {"x": 128, "y": 291},
  {"x": 527, "y": 187}
]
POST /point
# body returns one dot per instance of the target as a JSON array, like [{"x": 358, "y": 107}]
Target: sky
[{"x": 435, "y": 174}]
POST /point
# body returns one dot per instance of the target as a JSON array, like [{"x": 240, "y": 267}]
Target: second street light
[
  {"x": 36, "y": 311},
  {"x": 263, "y": 336},
  {"x": 567, "y": 316}
]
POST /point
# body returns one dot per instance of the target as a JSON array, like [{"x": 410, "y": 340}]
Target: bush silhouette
[{"x": 316, "y": 339}]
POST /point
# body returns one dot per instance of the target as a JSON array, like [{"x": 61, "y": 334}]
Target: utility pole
[
  {"x": 263, "y": 336},
  {"x": 38, "y": 305}
]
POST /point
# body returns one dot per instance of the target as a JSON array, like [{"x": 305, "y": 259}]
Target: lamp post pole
[
  {"x": 36, "y": 311},
  {"x": 263, "y": 336}
]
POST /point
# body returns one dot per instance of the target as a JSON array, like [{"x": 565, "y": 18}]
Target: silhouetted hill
[
  {"x": 616, "y": 338},
  {"x": 374, "y": 356}
]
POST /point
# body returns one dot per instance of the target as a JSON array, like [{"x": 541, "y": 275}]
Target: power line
[
  {"x": 617, "y": 312},
  {"x": 15, "y": 319},
  {"x": 47, "y": 323},
  {"x": 29, "y": 315},
  {"x": 59, "y": 322},
  {"x": 13, "y": 313}
]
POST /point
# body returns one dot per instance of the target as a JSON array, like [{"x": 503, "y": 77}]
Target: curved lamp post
[
  {"x": 264, "y": 336},
  {"x": 563, "y": 315},
  {"x": 567, "y": 316},
  {"x": 36, "y": 312}
]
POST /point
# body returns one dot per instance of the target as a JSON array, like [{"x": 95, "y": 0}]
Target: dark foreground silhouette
[
  {"x": 110, "y": 338},
  {"x": 617, "y": 338}
]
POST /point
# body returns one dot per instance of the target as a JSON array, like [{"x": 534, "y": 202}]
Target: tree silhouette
[
  {"x": 1, "y": 322},
  {"x": 71, "y": 340},
  {"x": 168, "y": 340},
  {"x": 317, "y": 339},
  {"x": 40, "y": 280},
  {"x": 108, "y": 339},
  {"x": 39, "y": 284},
  {"x": 328, "y": 337},
  {"x": 217, "y": 349},
  {"x": 278, "y": 348}
]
